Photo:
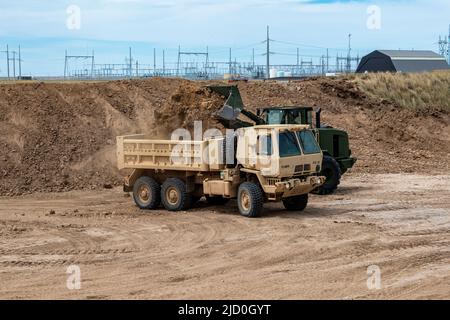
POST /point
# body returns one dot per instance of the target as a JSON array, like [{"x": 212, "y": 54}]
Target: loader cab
[{"x": 287, "y": 115}]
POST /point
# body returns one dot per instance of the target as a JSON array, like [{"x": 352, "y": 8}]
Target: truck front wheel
[
  {"x": 147, "y": 193},
  {"x": 298, "y": 203},
  {"x": 250, "y": 199},
  {"x": 174, "y": 195}
]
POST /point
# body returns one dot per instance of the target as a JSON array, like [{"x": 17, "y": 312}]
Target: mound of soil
[{"x": 188, "y": 104}]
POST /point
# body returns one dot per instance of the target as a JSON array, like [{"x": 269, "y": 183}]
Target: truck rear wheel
[
  {"x": 298, "y": 203},
  {"x": 332, "y": 173},
  {"x": 250, "y": 199},
  {"x": 174, "y": 195},
  {"x": 147, "y": 193}
]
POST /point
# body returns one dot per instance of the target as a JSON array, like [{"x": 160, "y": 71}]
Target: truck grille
[
  {"x": 302, "y": 168},
  {"x": 273, "y": 181}
]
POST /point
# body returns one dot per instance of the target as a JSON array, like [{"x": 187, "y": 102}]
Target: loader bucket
[
  {"x": 228, "y": 115},
  {"x": 233, "y": 105}
]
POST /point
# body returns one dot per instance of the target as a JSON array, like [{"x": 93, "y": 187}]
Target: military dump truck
[
  {"x": 255, "y": 165},
  {"x": 335, "y": 145}
]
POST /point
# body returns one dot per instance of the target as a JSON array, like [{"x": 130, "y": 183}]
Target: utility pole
[
  {"x": 253, "y": 60},
  {"x": 92, "y": 64},
  {"x": 298, "y": 59},
  {"x": 349, "y": 55},
  {"x": 154, "y": 61},
  {"x": 229, "y": 62},
  {"x": 20, "y": 64},
  {"x": 448, "y": 43},
  {"x": 130, "y": 65},
  {"x": 207, "y": 60},
  {"x": 14, "y": 65},
  {"x": 65, "y": 65},
  {"x": 268, "y": 54},
  {"x": 179, "y": 59},
  {"x": 164, "y": 62},
  {"x": 7, "y": 60},
  {"x": 328, "y": 61}
]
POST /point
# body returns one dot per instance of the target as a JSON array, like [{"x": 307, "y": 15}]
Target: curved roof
[
  {"x": 411, "y": 54},
  {"x": 402, "y": 61}
]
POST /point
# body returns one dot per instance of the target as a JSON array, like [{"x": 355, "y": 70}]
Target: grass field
[{"x": 416, "y": 91}]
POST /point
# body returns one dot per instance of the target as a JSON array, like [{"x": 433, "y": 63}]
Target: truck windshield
[
  {"x": 288, "y": 145},
  {"x": 308, "y": 142}
]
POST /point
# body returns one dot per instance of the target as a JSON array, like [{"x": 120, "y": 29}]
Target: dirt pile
[
  {"x": 62, "y": 136},
  {"x": 188, "y": 104}
]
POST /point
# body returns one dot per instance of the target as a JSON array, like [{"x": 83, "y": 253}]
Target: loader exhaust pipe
[{"x": 318, "y": 120}]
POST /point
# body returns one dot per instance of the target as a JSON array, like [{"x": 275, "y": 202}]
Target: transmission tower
[
  {"x": 68, "y": 58},
  {"x": 185, "y": 53}
]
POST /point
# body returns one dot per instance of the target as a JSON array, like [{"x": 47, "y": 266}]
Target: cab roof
[
  {"x": 288, "y": 108},
  {"x": 279, "y": 127}
]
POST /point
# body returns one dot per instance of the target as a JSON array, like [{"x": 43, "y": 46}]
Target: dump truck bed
[{"x": 143, "y": 152}]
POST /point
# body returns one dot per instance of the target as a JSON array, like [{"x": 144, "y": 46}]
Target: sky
[{"x": 45, "y": 29}]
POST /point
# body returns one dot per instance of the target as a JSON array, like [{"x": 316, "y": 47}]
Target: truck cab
[{"x": 334, "y": 143}]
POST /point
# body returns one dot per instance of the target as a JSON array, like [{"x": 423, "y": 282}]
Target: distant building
[{"x": 402, "y": 61}]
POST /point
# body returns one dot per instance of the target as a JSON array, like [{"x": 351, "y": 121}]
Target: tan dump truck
[{"x": 254, "y": 165}]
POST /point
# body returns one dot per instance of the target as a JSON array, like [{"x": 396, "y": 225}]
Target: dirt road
[{"x": 400, "y": 223}]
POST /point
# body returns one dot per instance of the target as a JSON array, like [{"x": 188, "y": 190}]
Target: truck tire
[
  {"x": 147, "y": 193},
  {"x": 250, "y": 199},
  {"x": 174, "y": 195},
  {"x": 217, "y": 201},
  {"x": 298, "y": 203},
  {"x": 332, "y": 172}
]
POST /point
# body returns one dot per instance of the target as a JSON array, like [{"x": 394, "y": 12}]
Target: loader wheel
[
  {"x": 332, "y": 172},
  {"x": 217, "y": 201},
  {"x": 250, "y": 199},
  {"x": 147, "y": 193},
  {"x": 298, "y": 203},
  {"x": 174, "y": 195}
]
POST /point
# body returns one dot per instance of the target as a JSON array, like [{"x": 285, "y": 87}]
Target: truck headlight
[{"x": 318, "y": 168}]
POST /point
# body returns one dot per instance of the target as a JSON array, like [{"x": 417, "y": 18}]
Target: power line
[{"x": 307, "y": 45}]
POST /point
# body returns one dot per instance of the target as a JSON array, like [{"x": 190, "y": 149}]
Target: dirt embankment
[{"x": 61, "y": 136}]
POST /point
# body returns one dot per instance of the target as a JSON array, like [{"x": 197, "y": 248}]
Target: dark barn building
[{"x": 402, "y": 61}]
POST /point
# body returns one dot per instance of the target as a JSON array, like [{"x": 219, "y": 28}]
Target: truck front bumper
[{"x": 296, "y": 187}]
